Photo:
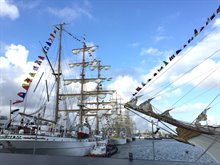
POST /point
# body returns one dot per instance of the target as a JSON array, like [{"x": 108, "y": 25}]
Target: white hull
[
  {"x": 47, "y": 145},
  {"x": 209, "y": 143},
  {"x": 119, "y": 141}
]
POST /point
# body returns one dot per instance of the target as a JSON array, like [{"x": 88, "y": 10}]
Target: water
[{"x": 166, "y": 149}]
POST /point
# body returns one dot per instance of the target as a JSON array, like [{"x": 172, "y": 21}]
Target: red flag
[
  {"x": 138, "y": 89},
  {"x": 41, "y": 57},
  {"x": 17, "y": 101}
]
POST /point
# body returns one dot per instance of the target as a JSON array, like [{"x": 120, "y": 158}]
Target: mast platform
[{"x": 21, "y": 159}]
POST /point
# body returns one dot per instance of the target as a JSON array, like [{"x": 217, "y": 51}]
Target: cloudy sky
[{"x": 134, "y": 37}]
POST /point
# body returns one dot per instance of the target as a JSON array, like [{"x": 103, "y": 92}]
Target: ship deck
[{"x": 21, "y": 159}]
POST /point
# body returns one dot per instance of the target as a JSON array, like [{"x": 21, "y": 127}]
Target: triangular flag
[
  {"x": 52, "y": 35},
  {"x": 22, "y": 94},
  {"x": 195, "y": 33},
  {"x": 32, "y": 74},
  {"x": 166, "y": 63},
  {"x": 48, "y": 43},
  {"x": 178, "y": 51},
  {"x": 41, "y": 57},
  {"x": 26, "y": 86}
]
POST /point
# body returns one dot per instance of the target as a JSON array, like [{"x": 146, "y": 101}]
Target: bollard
[{"x": 130, "y": 156}]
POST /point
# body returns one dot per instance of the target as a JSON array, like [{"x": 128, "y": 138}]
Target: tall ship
[
  {"x": 192, "y": 89},
  {"x": 61, "y": 116}
]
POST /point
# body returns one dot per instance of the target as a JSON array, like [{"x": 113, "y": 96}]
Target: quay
[{"x": 24, "y": 159}]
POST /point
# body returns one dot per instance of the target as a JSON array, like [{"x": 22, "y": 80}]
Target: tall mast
[
  {"x": 82, "y": 86},
  {"x": 58, "y": 74},
  {"x": 97, "y": 100}
]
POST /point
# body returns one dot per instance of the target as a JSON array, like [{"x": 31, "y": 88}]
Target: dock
[{"x": 24, "y": 159}]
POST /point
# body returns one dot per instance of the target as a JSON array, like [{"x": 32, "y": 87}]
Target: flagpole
[{"x": 10, "y": 112}]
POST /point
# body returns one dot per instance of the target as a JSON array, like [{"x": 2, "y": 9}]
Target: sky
[{"x": 134, "y": 37}]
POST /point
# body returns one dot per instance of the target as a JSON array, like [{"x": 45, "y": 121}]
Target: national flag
[
  {"x": 21, "y": 94},
  {"x": 15, "y": 110},
  {"x": 17, "y": 101}
]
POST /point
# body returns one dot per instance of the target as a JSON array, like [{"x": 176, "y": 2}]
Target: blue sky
[{"x": 134, "y": 37}]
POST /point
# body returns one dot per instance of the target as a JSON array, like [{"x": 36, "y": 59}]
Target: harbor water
[{"x": 165, "y": 150}]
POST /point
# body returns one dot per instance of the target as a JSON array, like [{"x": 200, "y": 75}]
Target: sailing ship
[
  {"x": 69, "y": 132},
  {"x": 121, "y": 125},
  {"x": 199, "y": 132}
]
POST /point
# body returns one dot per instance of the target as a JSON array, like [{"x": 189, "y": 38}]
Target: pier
[{"x": 24, "y": 159}]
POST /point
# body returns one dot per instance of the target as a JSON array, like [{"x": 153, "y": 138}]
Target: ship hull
[
  {"x": 47, "y": 145},
  {"x": 209, "y": 143}
]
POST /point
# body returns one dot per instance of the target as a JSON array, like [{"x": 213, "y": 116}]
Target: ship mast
[
  {"x": 58, "y": 74},
  {"x": 82, "y": 85},
  {"x": 97, "y": 99}
]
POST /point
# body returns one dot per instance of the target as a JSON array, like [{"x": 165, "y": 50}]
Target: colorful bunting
[
  {"x": 184, "y": 46},
  {"x": 45, "y": 49}
]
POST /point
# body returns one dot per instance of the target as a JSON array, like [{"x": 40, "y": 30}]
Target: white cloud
[
  {"x": 124, "y": 86},
  {"x": 71, "y": 13},
  {"x": 17, "y": 55},
  {"x": 8, "y": 10}
]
